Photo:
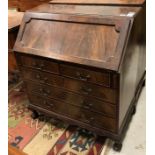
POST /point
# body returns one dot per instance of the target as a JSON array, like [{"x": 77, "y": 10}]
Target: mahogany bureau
[{"x": 83, "y": 62}]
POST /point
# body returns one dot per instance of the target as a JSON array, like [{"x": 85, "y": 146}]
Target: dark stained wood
[
  {"x": 107, "y": 2},
  {"x": 86, "y": 47},
  {"x": 63, "y": 95},
  {"x": 42, "y": 77},
  {"x": 74, "y": 112},
  {"x": 84, "y": 64},
  {"x": 133, "y": 65},
  {"x": 86, "y": 75},
  {"x": 38, "y": 63},
  {"x": 103, "y": 93}
]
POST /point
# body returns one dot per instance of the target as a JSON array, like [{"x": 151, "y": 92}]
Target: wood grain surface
[{"x": 113, "y": 2}]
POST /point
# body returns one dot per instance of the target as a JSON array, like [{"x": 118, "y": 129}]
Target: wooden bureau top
[
  {"x": 87, "y": 35},
  {"x": 105, "y": 2},
  {"x": 86, "y": 9},
  {"x": 14, "y": 19}
]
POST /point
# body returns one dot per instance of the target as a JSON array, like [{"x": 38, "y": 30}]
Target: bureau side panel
[{"x": 133, "y": 65}]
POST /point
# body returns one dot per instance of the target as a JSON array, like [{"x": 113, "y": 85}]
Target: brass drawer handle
[
  {"x": 86, "y": 90},
  {"x": 45, "y": 92},
  {"x": 44, "y": 79},
  {"x": 48, "y": 104},
  {"x": 38, "y": 66},
  {"x": 89, "y": 120},
  {"x": 82, "y": 77},
  {"x": 38, "y": 77},
  {"x": 86, "y": 107}
]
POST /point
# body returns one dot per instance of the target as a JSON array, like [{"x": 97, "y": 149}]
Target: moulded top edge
[{"x": 100, "y": 2}]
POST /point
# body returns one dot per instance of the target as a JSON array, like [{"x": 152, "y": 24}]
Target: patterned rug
[{"x": 47, "y": 137}]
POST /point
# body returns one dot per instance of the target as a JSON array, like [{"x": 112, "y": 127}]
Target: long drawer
[
  {"x": 74, "y": 112},
  {"x": 84, "y": 88},
  {"x": 72, "y": 98},
  {"x": 100, "y": 92}
]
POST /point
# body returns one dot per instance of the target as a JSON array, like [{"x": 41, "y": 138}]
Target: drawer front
[
  {"x": 102, "y": 78},
  {"x": 41, "y": 77},
  {"x": 71, "y": 98},
  {"x": 73, "y": 112},
  {"x": 38, "y": 63},
  {"x": 83, "y": 88},
  {"x": 102, "y": 93}
]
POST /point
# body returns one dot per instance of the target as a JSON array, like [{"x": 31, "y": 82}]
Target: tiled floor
[{"x": 134, "y": 142}]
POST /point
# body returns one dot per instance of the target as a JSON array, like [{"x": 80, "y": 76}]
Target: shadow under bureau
[{"x": 84, "y": 63}]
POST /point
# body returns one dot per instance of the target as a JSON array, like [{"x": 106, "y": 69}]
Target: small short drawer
[
  {"x": 73, "y": 112},
  {"x": 101, "y": 78},
  {"x": 38, "y": 63},
  {"x": 41, "y": 77},
  {"x": 71, "y": 98}
]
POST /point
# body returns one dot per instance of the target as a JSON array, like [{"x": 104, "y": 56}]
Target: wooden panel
[
  {"x": 83, "y": 40},
  {"x": 91, "y": 41},
  {"x": 107, "y": 2},
  {"x": 102, "y": 78},
  {"x": 76, "y": 113},
  {"x": 88, "y": 103},
  {"x": 38, "y": 63},
  {"x": 133, "y": 66},
  {"x": 86, "y": 9}
]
